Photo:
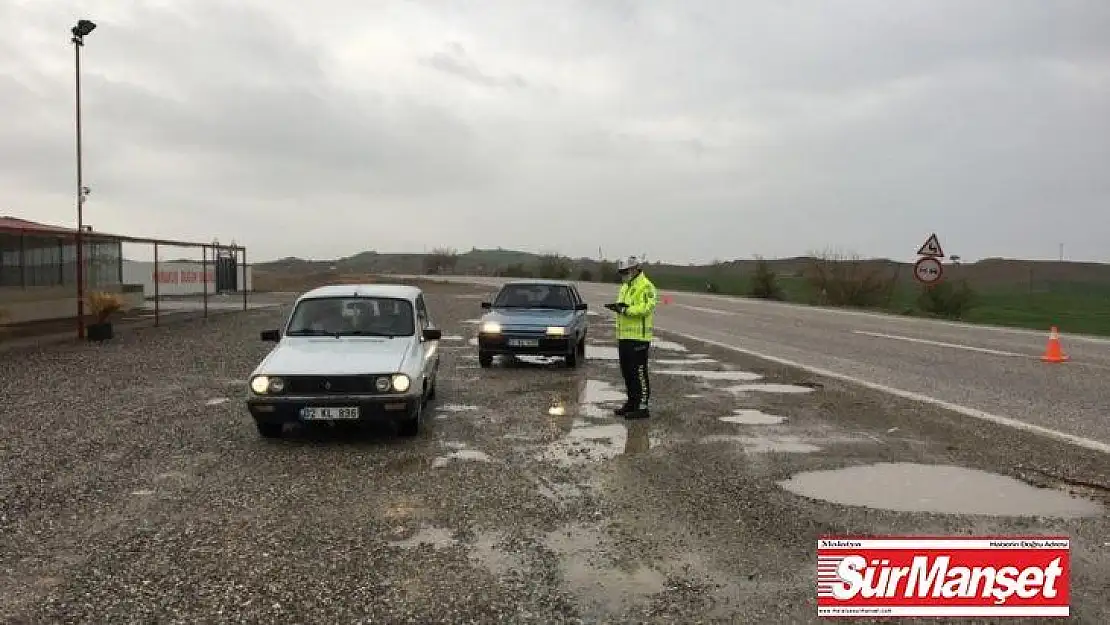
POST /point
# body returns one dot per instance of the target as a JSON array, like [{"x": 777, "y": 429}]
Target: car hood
[
  {"x": 332, "y": 356},
  {"x": 529, "y": 317}
]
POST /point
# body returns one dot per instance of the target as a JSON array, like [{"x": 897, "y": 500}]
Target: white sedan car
[{"x": 349, "y": 353}]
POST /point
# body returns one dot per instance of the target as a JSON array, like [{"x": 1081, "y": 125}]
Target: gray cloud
[{"x": 720, "y": 128}]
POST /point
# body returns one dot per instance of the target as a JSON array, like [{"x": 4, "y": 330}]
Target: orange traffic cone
[
  {"x": 1053, "y": 352},
  {"x": 666, "y": 299}
]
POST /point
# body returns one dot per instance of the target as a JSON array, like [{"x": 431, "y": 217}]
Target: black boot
[{"x": 623, "y": 410}]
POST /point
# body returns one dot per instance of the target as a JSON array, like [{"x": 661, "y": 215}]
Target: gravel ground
[{"x": 135, "y": 489}]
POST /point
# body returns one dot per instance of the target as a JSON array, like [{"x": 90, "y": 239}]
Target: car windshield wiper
[
  {"x": 308, "y": 332},
  {"x": 365, "y": 333}
]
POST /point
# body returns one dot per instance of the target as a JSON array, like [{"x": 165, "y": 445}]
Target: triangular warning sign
[{"x": 931, "y": 247}]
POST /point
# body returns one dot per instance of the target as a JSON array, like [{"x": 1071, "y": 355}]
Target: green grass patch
[{"x": 1072, "y": 307}]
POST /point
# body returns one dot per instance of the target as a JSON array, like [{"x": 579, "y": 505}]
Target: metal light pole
[{"x": 80, "y": 31}]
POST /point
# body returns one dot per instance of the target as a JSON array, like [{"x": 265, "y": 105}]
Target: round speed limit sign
[{"x": 928, "y": 270}]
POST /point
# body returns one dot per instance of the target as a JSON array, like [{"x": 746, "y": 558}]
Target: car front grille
[{"x": 332, "y": 384}]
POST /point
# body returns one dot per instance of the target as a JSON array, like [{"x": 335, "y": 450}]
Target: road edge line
[{"x": 1072, "y": 439}]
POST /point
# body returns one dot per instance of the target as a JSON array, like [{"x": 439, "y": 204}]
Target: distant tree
[
  {"x": 947, "y": 300},
  {"x": 764, "y": 282},
  {"x": 585, "y": 275},
  {"x": 607, "y": 272},
  {"x": 441, "y": 260},
  {"x": 553, "y": 267},
  {"x": 516, "y": 270},
  {"x": 846, "y": 280}
]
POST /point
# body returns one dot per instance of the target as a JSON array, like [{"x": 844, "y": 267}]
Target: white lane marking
[
  {"x": 1079, "y": 441},
  {"x": 708, "y": 310},
  {"x": 970, "y": 348}
]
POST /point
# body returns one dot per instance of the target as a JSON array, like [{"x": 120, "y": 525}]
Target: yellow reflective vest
[{"x": 638, "y": 319}]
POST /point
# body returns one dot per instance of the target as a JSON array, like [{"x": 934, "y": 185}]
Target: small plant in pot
[{"x": 102, "y": 306}]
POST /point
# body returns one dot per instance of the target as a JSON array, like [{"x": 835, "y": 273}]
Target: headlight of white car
[
  {"x": 262, "y": 384},
  {"x": 401, "y": 382},
  {"x": 556, "y": 331}
]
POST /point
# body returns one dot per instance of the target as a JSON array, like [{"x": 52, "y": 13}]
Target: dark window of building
[{"x": 11, "y": 263}]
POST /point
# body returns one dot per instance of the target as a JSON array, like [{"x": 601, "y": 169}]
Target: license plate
[
  {"x": 329, "y": 413},
  {"x": 524, "y": 342}
]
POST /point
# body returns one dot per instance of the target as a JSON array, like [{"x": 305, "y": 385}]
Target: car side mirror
[
  {"x": 581, "y": 306},
  {"x": 486, "y": 305},
  {"x": 432, "y": 334},
  {"x": 272, "y": 336}
]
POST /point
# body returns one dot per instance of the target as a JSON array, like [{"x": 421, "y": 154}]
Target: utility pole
[{"x": 80, "y": 31}]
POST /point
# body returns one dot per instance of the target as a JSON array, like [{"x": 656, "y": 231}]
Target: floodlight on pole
[{"x": 79, "y": 32}]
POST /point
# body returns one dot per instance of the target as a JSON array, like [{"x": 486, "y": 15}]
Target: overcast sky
[{"x": 687, "y": 130}]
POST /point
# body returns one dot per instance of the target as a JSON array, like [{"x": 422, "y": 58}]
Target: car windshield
[
  {"x": 534, "y": 296},
  {"x": 352, "y": 316}
]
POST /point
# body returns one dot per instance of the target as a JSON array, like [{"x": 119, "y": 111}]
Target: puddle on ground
[
  {"x": 472, "y": 321},
  {"x": 735, "y": 376},
  {"x": 602, "y": 587},
  {"x": 496, "y": 560},
  {"x": 435, "y": 536},
  {"x": 693, "y": 395},
  {"x": 945, "y": 489},
  {"x": 143, "y": 492},
  {"x": 472, "y": 341},
  {"x": 592, "y": 313},
  {"x": 539, "y": 360},
  {"x": 600, "y": 392},
  {"x": 586, "y": 443},
  {"x": 768, "y": 388},
  {"x": 450, "y": 337},
  {"x": 457, "y": 408},
  {"x": 602, "y": 352},
  {"x": 668, "y": 345},
  {"x": 216, "y": 401},
  {"x": 747, "y": 416},
  {"x": 764, "y": 444},
  {"x": 472, "y": 455},
  {"x": 683, "y": 361}
]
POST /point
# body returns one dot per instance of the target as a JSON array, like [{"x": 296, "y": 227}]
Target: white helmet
[{"x": 626, "y": 265}]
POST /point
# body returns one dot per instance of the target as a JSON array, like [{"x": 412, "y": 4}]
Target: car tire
[
  {"x": 582, "y": 348},
  {"x": 269, "y": 430},
  {"x": 411, "y": 426},
  {"x": 485, "y": 360},
  {"x": 432, "y": 389},
  {"x": 572, "y": 358}
]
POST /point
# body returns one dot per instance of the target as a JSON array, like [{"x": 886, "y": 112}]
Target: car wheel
[
  {"x": 582, "y": 348},
  {"x": 268, "y": 430},
  {"x": 432, "y": 390},
  {"x": 572, "y": 358},
  {"x": 485, "y": 360},
  {"x": 411, "y": 426}
]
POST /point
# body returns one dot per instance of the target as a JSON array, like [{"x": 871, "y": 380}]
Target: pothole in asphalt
[
  {"x": 602, "y": 352},
  {"x": 683, "y": 361},
  {"x": 764, "y": 444},
  {"x": 670, "y": 346},
  {"x": 587, "y": 443},
  {"x": 610, "y": 588},
  {"x": 435, "y": 536},
  {"x": 539, "y": 360},
  {"x": 945, "y": 489},
  {"x": 747, "y": 416},
  {"x": 457, "y": 408},
  {"x": 600, "y": 392},
  {"x": 471, "y": 455},
  {"x": 450, "y": 337},
  {"x": 735, "y": 376},
  {"x": 496, "y": 560},
  {"x": 769, "y": 388}
]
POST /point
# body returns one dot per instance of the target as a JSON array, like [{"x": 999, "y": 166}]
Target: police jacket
[{"x": 638, "y": 320}]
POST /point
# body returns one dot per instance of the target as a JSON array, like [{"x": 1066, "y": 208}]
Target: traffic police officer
[{"x": 635, "y": 309}]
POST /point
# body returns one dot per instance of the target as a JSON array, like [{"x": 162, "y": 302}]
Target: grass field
[{"x": 1072, "y": 307}]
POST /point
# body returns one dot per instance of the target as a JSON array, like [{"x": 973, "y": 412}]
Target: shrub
[
  {"x": 846, "y": 280},
  {"x": 947, "y": 299},
  {"x": 103, "y": 305},
  {"x": 764, "y": 282},
  {"x": 516, "y": 270},
  {"x": 585, "y": 275},
  {"x": 553, "y": 267},
  {"x": 607, "y": 272},
  {"x": 441, "y": 260}
]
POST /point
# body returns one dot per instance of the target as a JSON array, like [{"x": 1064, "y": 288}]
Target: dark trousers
[{"x": 634, "y": 367}]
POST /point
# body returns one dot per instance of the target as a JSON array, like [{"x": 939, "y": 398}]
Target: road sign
[
  {"x": 928, "y": 270},
  {"x": 931, "y": 247}
]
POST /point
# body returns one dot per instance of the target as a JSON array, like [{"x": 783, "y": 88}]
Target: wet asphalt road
[{"x": 135, "y": 489}]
